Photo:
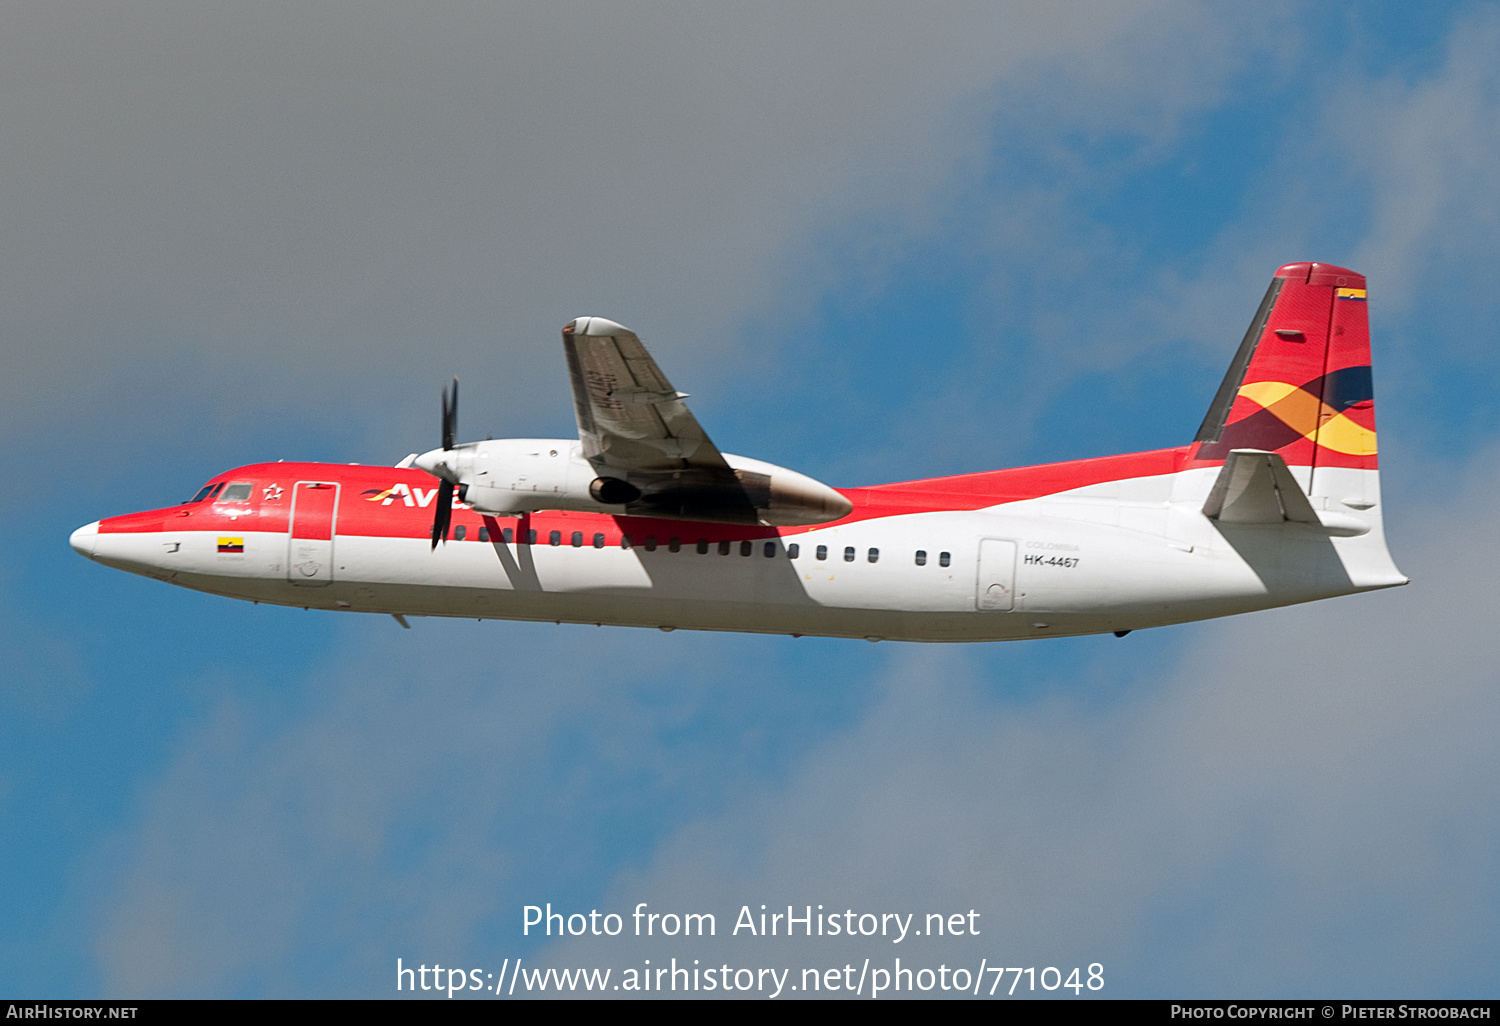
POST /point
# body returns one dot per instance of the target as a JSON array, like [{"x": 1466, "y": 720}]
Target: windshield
[{"x": 208, "y": 492}]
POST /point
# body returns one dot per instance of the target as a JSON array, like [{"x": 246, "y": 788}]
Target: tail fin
[{"x": 1300, "y": 383}]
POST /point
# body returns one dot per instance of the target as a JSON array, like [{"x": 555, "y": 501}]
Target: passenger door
[{"x": 314, "y": 512}]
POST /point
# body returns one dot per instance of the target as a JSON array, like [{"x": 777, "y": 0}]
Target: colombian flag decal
[
  {"x": 231, "y": 545},
  {"x": 1356, "y": 294}
]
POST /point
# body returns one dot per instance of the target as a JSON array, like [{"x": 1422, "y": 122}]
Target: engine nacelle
[
  {"x": 785, "y": 498},
  {"x": 522, "y": 475},
  {"x": 509, "y": 476}
]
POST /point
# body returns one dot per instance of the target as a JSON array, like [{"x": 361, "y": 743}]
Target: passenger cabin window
[
  {"x": 822, "y": 552},
  {"x": 577, "y": 539},
  {"x": 944, "y": 559},
  {"x": 509, "y": 535},
  {"x": 675, "y": 545},
  {"x": 530, "y": 537},
  {"x": 702, "y": 546},
  {"x": 650, "y": 543},
  {"x": 746, "y": 548},
  {"x": 770, "y": 550},
  {"x": 236, "y": 493},
  {"x": 793, "y": 550},
  {"x": 873, "y": 556},
  {"x": 459, "y": 532},
  {"x": 724, "y": 546},
  {"x": 921, "y": 557},
  {"x": 484, "y": 534},
  {"x": 555, "y": 538},
  {"x": 625, "y": 541},
  {"x": 599, "y": 541},
  {"x": 849, "y": 554}
]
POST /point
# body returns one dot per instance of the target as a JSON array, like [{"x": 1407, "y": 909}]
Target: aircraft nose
[{"x": 84, "y": 538}]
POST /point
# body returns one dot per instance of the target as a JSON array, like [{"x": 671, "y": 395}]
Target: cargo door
[
  {"x": 310, "y": 555},
  {"x": 997, "y": 575}
]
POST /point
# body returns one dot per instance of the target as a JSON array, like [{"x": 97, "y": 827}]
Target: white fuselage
[{"x": 1116, "y": 556}]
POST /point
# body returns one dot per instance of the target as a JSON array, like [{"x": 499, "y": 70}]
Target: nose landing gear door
[
  {"x": 310, "y": 554},
  {"x": 997, "y": 575}
]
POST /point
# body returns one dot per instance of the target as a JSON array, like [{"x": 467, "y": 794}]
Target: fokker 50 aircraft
[{"x": 641, "y": 521}]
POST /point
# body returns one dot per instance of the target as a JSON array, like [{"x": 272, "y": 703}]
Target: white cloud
[
  {"x": 1427, "y": 148},
  {"x": 1388, "y": 173},
  {"x": 431, "y": 783},
  {"x": 266, "y": 207}
]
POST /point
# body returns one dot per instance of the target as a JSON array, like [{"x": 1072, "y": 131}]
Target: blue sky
[{"x": 875, "y": 242}]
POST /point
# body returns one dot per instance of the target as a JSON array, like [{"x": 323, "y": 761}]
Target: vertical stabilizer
[
  {"x": 1291, "y": 432},
  {"x": 1300, "y": 383}
]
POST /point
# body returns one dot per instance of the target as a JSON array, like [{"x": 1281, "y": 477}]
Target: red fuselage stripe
[{"x": 371, "y": 505}]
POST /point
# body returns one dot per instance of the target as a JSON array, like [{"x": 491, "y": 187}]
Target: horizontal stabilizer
[{"x": 1255, "y": 487}]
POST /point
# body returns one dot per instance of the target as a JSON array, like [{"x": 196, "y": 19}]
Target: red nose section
[{"x": 136, "y": 523}]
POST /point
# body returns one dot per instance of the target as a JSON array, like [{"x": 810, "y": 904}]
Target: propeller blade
[
  {"x": 450, "y": 414},
  {"x": 444, "y": 513}
]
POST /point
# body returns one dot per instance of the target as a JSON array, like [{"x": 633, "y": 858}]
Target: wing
[
  {"x": 629, "y": 415},
  {"x": 635, "y": 427}
]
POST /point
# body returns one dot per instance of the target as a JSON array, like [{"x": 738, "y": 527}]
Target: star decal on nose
[{"x": 271, "y": 492}]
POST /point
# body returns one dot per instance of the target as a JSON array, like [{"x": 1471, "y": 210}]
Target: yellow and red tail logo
[
  {"x": 1337, "y": 412},
  {"x": 1300, "y": 384}
]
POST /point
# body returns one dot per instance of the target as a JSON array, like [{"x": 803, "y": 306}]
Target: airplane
[{"x": 641, "y": 521}]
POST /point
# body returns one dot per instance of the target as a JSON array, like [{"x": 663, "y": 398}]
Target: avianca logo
[{"x": 408, "y": 496}]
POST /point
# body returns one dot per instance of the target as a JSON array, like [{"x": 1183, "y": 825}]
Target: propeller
[{"x": 444, "y": 513}]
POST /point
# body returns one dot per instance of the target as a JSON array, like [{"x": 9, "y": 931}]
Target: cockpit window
[
  {"x": 236, "y": 493},
  {"x": 202, "y": 493}
]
